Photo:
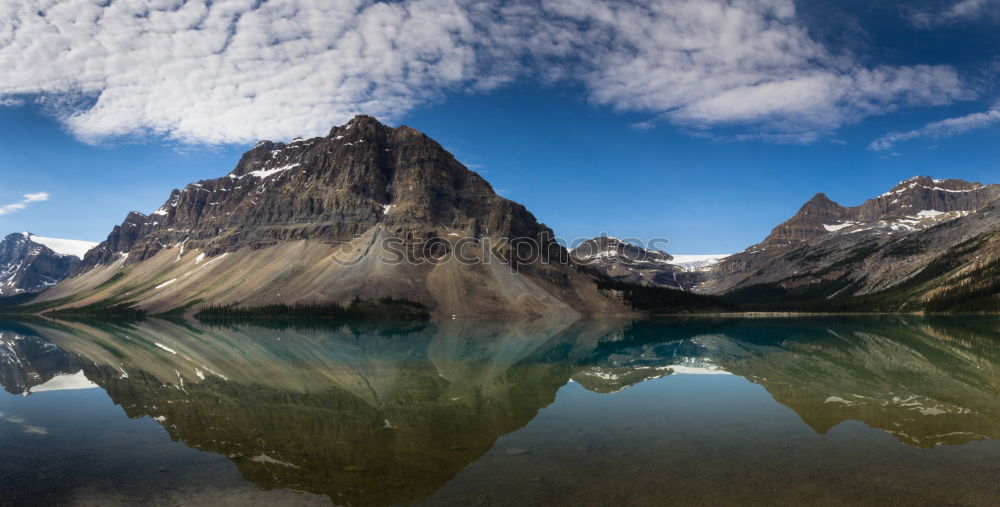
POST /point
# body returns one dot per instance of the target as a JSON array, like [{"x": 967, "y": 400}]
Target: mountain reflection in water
[{"x": 371, "y": 414}]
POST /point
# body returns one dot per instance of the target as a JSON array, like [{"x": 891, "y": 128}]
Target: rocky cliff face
[
  {"x": 27, "y": 266},
  {"x": 917, "y": 243},
  {"x": 366, "y": 211},
  {"x": 362, "y": 175}
]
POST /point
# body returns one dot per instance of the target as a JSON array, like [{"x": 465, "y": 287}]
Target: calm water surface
[{"x": 891, "y": 410}]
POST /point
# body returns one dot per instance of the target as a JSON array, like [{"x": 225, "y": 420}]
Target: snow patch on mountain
[
  {"x": 74, "y": 247},
  {"x": 266, "y": 173},
  {"x": 837, "y": 227},
  {"x": 697, "y": 262},
  {"x": 915, "y": 182}
]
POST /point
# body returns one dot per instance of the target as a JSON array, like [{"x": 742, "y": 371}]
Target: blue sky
[{"x": 706, "y": 122}]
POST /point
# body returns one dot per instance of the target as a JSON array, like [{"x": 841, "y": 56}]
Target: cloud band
[{"x": 233, "y": 71}]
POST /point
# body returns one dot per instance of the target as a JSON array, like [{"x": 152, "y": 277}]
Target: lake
[{"x": 702, "y": 411}]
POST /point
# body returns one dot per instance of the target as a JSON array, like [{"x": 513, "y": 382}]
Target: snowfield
[{"x": 74, "y": 247}]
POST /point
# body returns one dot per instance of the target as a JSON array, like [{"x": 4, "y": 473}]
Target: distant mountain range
[
  {"x": 31, "y": 264},
  {"x": 371, "y": 212},
  {"x": 926, "y": 244}
]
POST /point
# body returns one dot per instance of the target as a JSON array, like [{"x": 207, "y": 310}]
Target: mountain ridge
[
  {"x": 903, "y": 250},
  {"x": 906, "y": 200}
]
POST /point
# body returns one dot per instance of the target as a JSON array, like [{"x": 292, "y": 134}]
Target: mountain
[
  {"x": 626, "y": 262},
  {"x": 917, "y": 246},
  {"x": 912, "y": 204},
  {"x": 368, "y": 211},
  {"x": 30, "y": 264}
]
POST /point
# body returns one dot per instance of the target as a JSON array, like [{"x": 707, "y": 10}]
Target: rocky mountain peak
[
  {"x": 821, "y": 204},
  {"x": 808, "y": 222},
  {"x": 275, "y": 185},
  {"x": 29, "y": 266},
  {"x": 365, "y": 188},
  {"x": 821, "y": 200}
]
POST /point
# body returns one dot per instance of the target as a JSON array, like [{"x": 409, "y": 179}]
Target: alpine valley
[{"x": 382, "y": 214}]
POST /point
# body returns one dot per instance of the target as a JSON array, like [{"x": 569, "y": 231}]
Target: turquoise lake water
[{"x": 859, "y": 410}]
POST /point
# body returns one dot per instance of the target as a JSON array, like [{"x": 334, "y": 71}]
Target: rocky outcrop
[
  {"x": 122, "y": 239},
  {"x": 367, "y": 211},
  {"x": 28, "y": 267}
]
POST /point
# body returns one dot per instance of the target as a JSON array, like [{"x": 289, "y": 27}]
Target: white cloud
[
  {"x": 18, "y": 206},
  {"x": 959, "y": 11},
  {"x": 240, "y": 70},
  {"x": 712, "y": 63},
  {"x": 232, "y": 70},
  {"x": 643, "y": 125},
  {"x": 936, "y": 130},
  {"x": 40, "y": 196}
]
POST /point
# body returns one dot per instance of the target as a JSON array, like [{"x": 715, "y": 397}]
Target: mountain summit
[
  {"x": 368, "y": 211},
  {"x": 30, "y": 264}
]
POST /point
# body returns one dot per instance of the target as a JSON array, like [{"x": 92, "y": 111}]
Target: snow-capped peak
[{"x": 74, "y": 247}]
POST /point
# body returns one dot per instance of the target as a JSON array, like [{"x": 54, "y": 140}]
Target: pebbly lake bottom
[{"x": 857, "y": 410}]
